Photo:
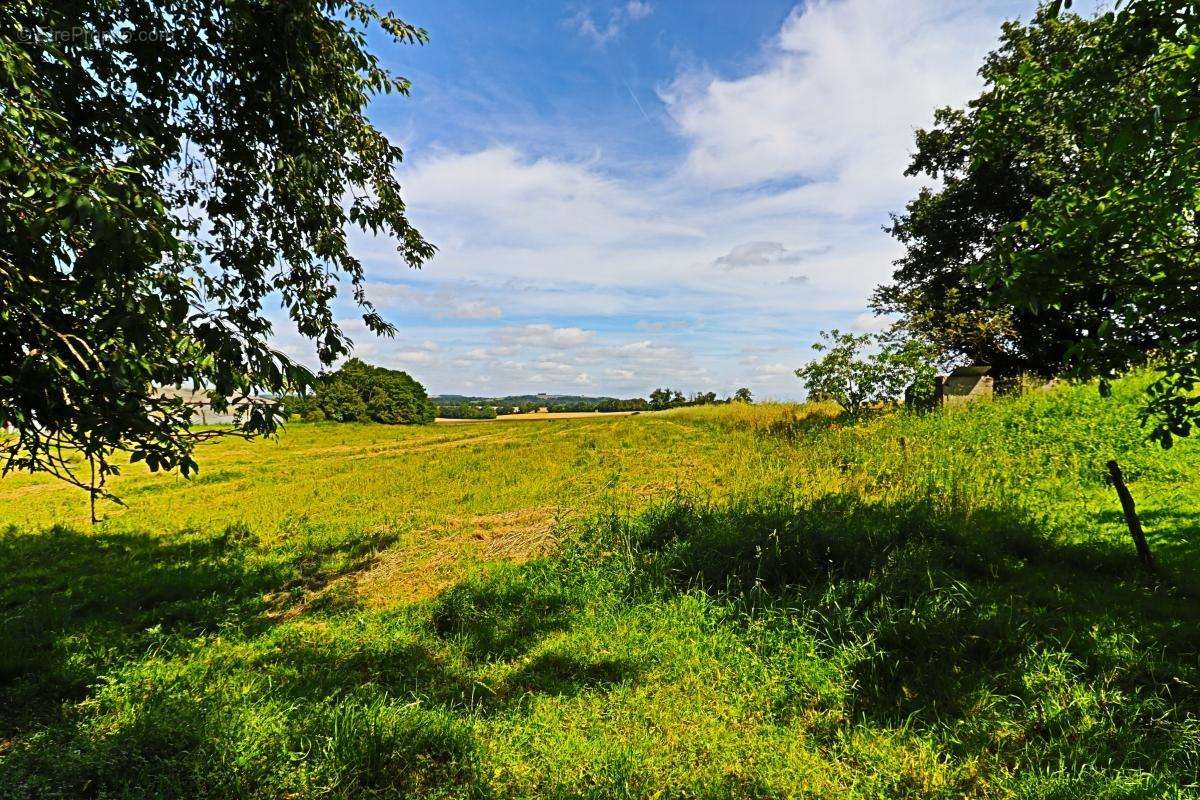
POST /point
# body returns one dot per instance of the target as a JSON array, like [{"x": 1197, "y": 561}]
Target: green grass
[{"x": 734, "y": 602}]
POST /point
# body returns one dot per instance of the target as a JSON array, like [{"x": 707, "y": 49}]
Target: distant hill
[{"x": 516, "y": 399}]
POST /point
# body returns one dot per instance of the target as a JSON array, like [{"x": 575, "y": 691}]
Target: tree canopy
[
  {"x": 360, "y": 392},
  {"x": 993, "y": 162},
  {"x": 167, "y": 170},
  {"x": 1065, "y": 231},
  {"x": 857, "y": 371}
]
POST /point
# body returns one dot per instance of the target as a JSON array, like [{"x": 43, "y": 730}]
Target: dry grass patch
[{"x": 437, "y": 559}]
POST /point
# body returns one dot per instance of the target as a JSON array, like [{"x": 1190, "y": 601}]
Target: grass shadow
[
  {"x": 948, "y": 611},
  {"x": 74, "y": 604},
  {"x": 558, "y": 674},
  {"x": 502, "y": 615}
]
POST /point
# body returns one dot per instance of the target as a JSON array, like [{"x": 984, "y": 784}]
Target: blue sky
[{"x": 636, "y": 193}]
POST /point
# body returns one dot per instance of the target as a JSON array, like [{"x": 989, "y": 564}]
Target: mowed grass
[{"x": 732, "y": 602}]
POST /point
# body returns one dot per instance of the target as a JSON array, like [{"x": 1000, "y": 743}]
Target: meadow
[{"x": 715, "y": 602}]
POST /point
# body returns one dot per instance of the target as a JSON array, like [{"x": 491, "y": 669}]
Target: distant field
[{"x": 716, "y": 602}]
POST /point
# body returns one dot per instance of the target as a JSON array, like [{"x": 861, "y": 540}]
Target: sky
[{"x": 628, "y": 194}]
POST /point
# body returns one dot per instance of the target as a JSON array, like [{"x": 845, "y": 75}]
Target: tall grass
[{"x": 744, "y": 602}]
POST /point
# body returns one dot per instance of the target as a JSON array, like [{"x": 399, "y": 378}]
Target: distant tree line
[
  {"x": 488, "y": 409},
  {"x": 465, "y": 411},
  {"x": 661, "y": 399},
  {"x": 456, "y": 407}
]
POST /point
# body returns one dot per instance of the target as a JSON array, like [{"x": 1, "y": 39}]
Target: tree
[
  {"x": 666, "y": 398},
  {"x": 359, "y": 392},
  {"x": 341, "y": 402},
  {"x": 1106, "y": 250},
  {"x": 993, "y": 166},
  {"x": 1128, "y": 224},
  {"x": 743, "y": 396},
  {"x": 164, "y": 169},
  {"x": 853, "y": 377},
  {"x": 464, "y": 411}
]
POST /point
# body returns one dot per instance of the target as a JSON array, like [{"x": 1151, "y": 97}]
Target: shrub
[
  {"x": 359, "y": 392},
  {"x": 855, "y": 379}
]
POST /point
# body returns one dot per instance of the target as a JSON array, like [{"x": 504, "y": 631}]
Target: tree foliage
[
  {"x": 1072, "y": 187},
  {"x": 359, "y": 392},
  {"x": 665, "y": 398},
  {"x": 165, "y": 170},
  {"x": 464, "y": 411},
  {"x": 993, "y": 161},
  {"x": 1128, "y": 223},
  {"x": 858, "y": 371}
]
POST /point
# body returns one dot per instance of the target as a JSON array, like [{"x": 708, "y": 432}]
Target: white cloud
[
  {"x": 774, "y": 370},
  {"x": 665, "y": 325},
  {"x": 618, "y": 19},
  {"x": 636, "y": 10},
  {"x": 473, "y": 309},
  {"x": 403, "y": 357},
  {"x": 444, "y": 303},
  {"x": 870, "y": 323},
  {"x": 541, "y": 335},
  {"x": 757, "y": 254},
  {"x": 647, "y": 351},
  {"x": 833, "y": 111},
  {"x": 534, "y": 202}
]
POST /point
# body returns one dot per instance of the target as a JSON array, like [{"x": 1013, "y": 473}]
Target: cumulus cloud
[
  {"x": 833, "y": 110},
  {"x": 400, "y": 353},
  {"x": 541, "y": 335},
  {"x": 535, "y": 201}
]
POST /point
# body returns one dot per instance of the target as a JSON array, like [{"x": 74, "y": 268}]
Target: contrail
[{"x": 636, "y": 102}]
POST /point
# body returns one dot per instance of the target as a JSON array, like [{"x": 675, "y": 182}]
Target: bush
[
  {"x": 849, "y": 375},
  {"x": 359, "y": 392}
]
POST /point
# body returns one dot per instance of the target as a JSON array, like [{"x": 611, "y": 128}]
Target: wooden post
[{"x": 1131, "y": 517}]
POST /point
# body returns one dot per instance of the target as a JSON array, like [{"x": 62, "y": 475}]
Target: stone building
[
  {"x": 202, "y": 410},
  {"x": 965, "y": 385}
]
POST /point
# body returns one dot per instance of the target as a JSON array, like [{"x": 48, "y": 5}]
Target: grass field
[{"x": 720, "y": 602}]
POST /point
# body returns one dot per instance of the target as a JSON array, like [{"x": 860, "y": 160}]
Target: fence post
[{"x": 1131, "y": 517}]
